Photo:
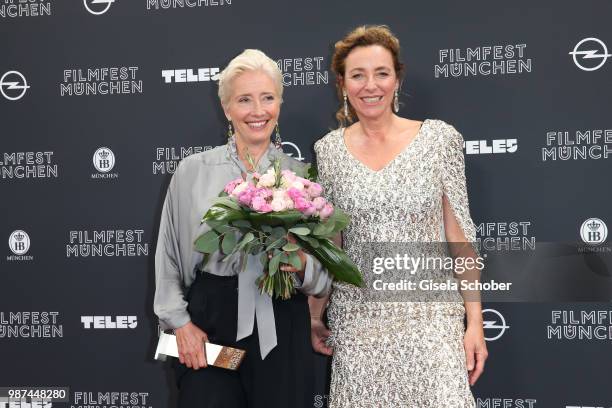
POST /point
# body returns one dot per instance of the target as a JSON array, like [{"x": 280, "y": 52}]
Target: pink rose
[
  {"x": 260, "y": 205},
  {"x": 319, "y": 203},
  {"x": 315, "y": 189},
  {"x": 229, "y": 188},
  {"x": 326, "y": 211},
  {"x": 301, "y": 204},
  {"x": 294, "y": 194}
]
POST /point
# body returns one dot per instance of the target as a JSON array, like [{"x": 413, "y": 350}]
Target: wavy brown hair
[{"x": 362, "y": 37}]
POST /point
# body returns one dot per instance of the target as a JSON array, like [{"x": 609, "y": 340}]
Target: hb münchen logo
[
  {"x": 97, "y": 7},
  {"x": 593, "y": 231},
  {"x": 13, "y": 85},
  {"x": 19, "y": 242},
  {"x": 104, "y": 160}
]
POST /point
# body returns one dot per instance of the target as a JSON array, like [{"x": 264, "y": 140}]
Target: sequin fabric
[{"x": 397, "y": 354}]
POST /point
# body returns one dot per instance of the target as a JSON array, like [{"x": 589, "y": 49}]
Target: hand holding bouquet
[{"x": 258, "y": 216}]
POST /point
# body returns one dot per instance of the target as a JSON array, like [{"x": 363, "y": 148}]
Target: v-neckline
[{"x": 390, "y": 162}]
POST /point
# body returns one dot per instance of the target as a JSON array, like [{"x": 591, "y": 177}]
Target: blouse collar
[{"x": 264, "y": 162}]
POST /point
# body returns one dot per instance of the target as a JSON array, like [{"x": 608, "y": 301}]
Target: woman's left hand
[
  {"x": 291, "y": 268},
  {"x": 475, "y": 351}
]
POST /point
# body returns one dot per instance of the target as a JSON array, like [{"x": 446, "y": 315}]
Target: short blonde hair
[{"x": 248, "y": 60}]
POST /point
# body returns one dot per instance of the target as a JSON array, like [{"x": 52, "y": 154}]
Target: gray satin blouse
[{"x": 198, "y": 179}]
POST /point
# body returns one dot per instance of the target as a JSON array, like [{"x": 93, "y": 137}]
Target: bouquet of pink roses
[{"x": 257, "y": 217}]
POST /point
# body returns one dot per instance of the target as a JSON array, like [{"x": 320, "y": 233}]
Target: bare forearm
[{"x": 317, "y": 306}]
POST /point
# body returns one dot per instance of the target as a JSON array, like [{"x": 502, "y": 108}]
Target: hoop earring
[
  {"x": 230, "y": 131},
  {"x": 396, "y": 102},
  {"x": 346, "y": 110},
  {"x": 277, "y": 139}
]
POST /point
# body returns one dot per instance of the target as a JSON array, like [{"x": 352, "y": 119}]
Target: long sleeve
[
  {"x": 453, "y": 180},
  {"x": 169, "y": 303},
  {"x": 317, "y": 280}
]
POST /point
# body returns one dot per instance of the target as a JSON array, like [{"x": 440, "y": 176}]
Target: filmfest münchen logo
[
  {"x": 167, "y": 158},
  {"x": 505, "y": 236},
  {"x": 484, "y": 60},
  {"x": 97, "y": 7},
  {"x": 23, "y": 8},
  {"x": 590, "y": 54},
  {"x": 585, "y": 144},
  {"x": 494, "y": 324},
  {"x": 42, "y": 324},
  {"x": 13, "y": 85},
  {"x": 106, "y": 243},
  {"x": 20, "y": 165},
  {"x": 174, "y": 4},
  {"x": 95, "y": 81},
  {"x": 110, "y": 399},
  {"x": 303, "y": 71}
]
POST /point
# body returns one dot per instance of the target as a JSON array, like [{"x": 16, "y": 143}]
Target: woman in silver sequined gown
[{"x": 394, "y": 354}]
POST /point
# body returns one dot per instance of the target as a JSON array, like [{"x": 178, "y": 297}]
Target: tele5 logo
[{"x": 109, "y": 322}]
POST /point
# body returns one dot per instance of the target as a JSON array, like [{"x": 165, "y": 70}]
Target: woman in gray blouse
[{"x": 213, "y": 302}]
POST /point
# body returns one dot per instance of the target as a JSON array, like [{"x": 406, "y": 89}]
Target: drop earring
[
  {"x": 396, "y": 102},
  {"x": 230, "y": 131},
  {"x": 346, "y": 110},
  {"x": 277, "y": 139}
]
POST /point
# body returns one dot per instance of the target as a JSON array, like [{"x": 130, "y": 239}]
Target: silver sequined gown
[{"x": 397, "y": 354}]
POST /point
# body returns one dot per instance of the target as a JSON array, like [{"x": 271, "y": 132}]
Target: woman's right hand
[{"x": 190, "y": 340}]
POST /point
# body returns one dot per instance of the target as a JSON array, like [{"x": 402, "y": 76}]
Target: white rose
[
  {"x": 298, "y": 185},
  {"x": 240, "y": 188},
  {"x": 278, "y": 205},
  {"x": 267, "y": 180}
]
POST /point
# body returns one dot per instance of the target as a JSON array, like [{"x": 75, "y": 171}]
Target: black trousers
[{"x": 284, "y": 379}]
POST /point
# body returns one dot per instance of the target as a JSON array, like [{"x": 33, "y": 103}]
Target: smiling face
[
  {"x": 370, "y": 81},
  {"x": 253, "y": 107}
]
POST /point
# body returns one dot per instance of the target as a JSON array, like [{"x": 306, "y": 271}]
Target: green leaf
[
  {"x": 229, "y": 242},
  {"x": 273, "y": 265},
  {"x": 248, "y": 237},
  {"x": 222, "y": 228},
  {"x": 295, "y": 261},
  {"x": 266, "y": 228},
  {"x": 300, "y": 230},
  {"x": 324, "y": 229},
  {"x": 282, "y": 218},
  {"x": 225, "y": 214},
  {"x": 279, "y": 232},
  {"x": 314, "y": 242},
  {"x": 276, "y": 244},
  {"x": 207, "y": 243},
  {"x": 312, "y": 173},
  {"x": 241, "y": 224},
  {"x": 335, "y": 261},
  {"x": 290, "y": 247},
  {"x": 227, "y": 202}
]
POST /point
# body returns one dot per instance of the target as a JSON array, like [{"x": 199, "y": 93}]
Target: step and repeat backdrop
[{"x": 101, "y": 99}]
